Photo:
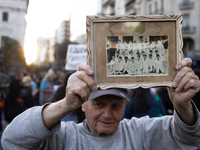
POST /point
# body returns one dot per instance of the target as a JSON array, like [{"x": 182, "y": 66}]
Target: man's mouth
[{"x": 106, "y": 124}]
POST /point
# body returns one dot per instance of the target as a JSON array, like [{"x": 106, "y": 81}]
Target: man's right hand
[
  {"x": 77, "y": 92},
  {"x": 79, "y": 86}
]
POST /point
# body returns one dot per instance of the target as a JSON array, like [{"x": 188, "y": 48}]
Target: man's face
[{"x": 104, "y": 114}]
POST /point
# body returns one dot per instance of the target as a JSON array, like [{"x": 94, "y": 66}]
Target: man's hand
[
  {"x": 185, "y": 85},
  {"x": 77, "y": 91},
  {"x": 79, "y": 86}
]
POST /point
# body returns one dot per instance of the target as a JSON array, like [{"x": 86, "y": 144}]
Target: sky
[{"x": 44, "y": 17}]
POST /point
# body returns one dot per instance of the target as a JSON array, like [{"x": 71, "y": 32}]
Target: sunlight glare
[{"x": 30, "y": 49}]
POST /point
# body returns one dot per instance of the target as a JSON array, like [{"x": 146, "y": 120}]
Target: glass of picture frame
[{"x": 134, "y": 51}]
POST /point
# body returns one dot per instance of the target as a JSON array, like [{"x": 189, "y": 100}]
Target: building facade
[
  {"x": 63, "y": 32},
  {"x": 42, "y": 47},
  {"x": 188, "y": 8},
  {"x": 12, "y": 20}
]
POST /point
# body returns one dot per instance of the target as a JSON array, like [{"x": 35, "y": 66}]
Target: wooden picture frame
[{"x": 131, "y": 41}]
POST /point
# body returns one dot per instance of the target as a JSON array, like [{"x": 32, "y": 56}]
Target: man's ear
[
  {"x": 83, "y": 106},
  {"x": 126, "y": 102}
]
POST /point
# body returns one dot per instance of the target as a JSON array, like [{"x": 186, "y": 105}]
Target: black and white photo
[{"x": 137, "y": 56}]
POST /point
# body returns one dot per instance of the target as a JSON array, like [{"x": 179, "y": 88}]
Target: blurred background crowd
[{"x": 25, "y": 90}]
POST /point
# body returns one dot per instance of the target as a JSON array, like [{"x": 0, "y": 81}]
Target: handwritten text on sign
[{"x": 76, "y": 55}]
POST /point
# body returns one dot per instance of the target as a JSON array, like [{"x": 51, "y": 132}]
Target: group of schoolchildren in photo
[{"x": 138, "y": 58}]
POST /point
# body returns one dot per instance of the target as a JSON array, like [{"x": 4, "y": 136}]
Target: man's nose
[{"x": 107, "y": 113}]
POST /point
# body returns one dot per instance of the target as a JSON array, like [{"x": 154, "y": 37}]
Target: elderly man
[{"x": 40, "y": 127}]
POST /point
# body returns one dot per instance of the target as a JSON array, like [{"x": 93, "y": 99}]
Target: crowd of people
[
  {"x": 40, "y": 127},
  {"x": 138, "y": 58},
  {"x": 25, "y": 90}
]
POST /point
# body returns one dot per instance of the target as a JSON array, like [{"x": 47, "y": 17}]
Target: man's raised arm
[
  {"x": 77, "y": 91},
  {"x": 185, "y": 85},
  {"x": 33, "y": 125}
]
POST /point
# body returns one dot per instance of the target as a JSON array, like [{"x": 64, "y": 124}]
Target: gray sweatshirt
[{"x": 27, "y": 132}]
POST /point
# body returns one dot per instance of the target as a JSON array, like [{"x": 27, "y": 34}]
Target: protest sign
[{"x": 76, "y": 54}]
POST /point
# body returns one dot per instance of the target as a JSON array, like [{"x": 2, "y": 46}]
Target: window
[
  {"x": 5, "y": 16},
  {"x": 162, "y": 5},
  {"x": 156, "y": 7},
  {"x": 150, "y": 9},
  {"x": 186, "y": 21}
]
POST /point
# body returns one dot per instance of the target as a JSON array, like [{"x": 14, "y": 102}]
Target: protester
[
  {"x": 4, "y": 83},
  {"x": 60, "y": 92},
  {"x": 26, "y": 92},
  {"x": 77, "y": 116},
  {"x": 46, "y": 87},
  {"x": 60, "y": 79},
  {"x": 40, "y": 127},
  {"x": 24, "y": 73},
  {"x": 160, "y": 108},
  {"x": 13, "y": 106},
  {"x": 143, "y": 103},
  {"x": 2, "y": 105},
  {"x": 4, "y": 88},
  {"x": 34, "y": 88},
  {"x": 163, "y": 94}
]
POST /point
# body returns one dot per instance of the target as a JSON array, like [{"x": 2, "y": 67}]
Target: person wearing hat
[{"x": 40, "y": 127}]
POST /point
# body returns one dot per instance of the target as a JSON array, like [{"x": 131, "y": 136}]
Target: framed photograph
[{"x": 134, "y": 51}]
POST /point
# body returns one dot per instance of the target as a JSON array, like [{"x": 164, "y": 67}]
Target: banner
[{"x": 76, "y": 54}]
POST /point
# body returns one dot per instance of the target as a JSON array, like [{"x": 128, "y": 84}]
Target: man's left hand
[{"x": 185, "y": 85}]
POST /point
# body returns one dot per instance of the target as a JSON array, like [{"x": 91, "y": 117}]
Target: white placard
[{"x": 76, "y": 54}]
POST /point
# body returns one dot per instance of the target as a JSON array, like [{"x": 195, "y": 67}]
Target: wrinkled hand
[
  {"x": 79, "y": 86},
  {"x": 185, "y": 84}
]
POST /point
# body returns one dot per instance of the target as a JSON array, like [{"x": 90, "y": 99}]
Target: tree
[
  {"x": 60, "y": 53},
  {"x": 12, "y": 53}
]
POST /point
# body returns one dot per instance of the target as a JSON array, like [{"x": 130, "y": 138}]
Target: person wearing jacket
[{"x": 40, "y": 127}]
